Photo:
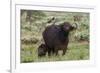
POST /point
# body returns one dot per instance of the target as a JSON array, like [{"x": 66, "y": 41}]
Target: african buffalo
[{"x": 56, "y": 37}]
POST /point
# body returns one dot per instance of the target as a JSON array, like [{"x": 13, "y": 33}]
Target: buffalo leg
[
  {"x": 49, "y": 52},
  {"x": 64, "y": 51},
  {"x": 53, "y": 51},
  {"x": 56, "y": 52}
]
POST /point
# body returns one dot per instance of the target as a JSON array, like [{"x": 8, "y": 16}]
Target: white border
[{"x": 16, "y": 66}]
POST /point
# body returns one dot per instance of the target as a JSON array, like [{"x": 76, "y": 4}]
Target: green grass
[{"x": 76, "y": 51}]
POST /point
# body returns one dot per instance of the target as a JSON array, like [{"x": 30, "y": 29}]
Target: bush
[{"x": 82, "y": 36}]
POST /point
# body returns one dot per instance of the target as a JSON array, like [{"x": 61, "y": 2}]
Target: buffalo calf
[{"x": 42, "y": 50}]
